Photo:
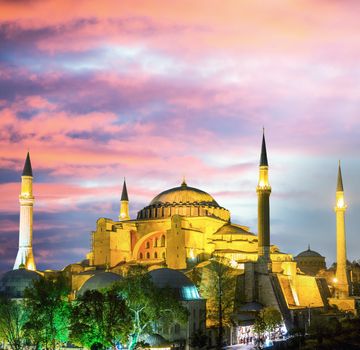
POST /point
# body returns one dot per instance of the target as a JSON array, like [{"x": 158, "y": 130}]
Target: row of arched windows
[
  {"x": 147, "y": 255},
  {"x": 156, "y": 242}
]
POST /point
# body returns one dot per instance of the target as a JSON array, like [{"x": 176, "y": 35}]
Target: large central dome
[
  {"x": 184, "y": 194},
  {"x": 183, "y": 200}
]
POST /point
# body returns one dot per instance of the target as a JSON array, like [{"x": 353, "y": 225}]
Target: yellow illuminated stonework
[
  {"x": 180, "y": 227},
  {"x": 264, "y": 178},
  {"x": 342, "y": 282}
]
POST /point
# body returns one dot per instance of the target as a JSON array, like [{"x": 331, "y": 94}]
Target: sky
[{"x": 157, "y": 90}]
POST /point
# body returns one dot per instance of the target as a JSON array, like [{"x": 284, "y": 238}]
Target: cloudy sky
[{"x": 154, "y": 90}]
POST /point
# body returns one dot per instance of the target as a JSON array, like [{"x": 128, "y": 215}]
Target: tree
[
  {"x": 218, "y": 287},
  {"x": 100, "y": 319},
  {"x": 148, "y": 304},
  {"x": 13, "y": 318},
  {"x": 47, "y": 304},
  {"x": 323, "y": 327},
  {"x": 259, "y": 325},
  {"x": 267, "y": 320},
  {"x": 198, "y": 340},
  {"x": 272, "y": 318}
]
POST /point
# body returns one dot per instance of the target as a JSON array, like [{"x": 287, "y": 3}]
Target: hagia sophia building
[{"x": 180, "y": 230}]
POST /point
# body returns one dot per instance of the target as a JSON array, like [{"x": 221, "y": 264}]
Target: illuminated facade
[
  {"x": 184, "y": 226},
  {"x": 181, "y": 229}
]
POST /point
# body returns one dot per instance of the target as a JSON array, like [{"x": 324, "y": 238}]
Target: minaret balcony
[{"x": 263, "y": 188}]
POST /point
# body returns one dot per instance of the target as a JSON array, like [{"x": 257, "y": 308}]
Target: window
[
  {"x": 155, "y": 255},
  {"x": 163, "y": 255},
  {"x": 141, "y": 255},
  {"x": 147, "y": 245},
  {"x": 162, "y": 242},
  {"x": 147, "y": 255},
  {"x": 156, "y": 242}
]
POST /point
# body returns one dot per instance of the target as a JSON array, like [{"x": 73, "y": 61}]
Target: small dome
[
  {"x": 309, "y": 253},
  {"x": 175, "y": 280},
  {"x": 184, "y": 194},
  {"x": 13, "y": 283},
  {"x": 99, "y": 281}
]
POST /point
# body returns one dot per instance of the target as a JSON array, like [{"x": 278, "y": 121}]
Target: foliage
[
  {"x": 195, "y": 276},
  {"x": 148, "y": 304},
  {"x": 219, "y": 290},
  {"x": 13, "y": 318},
  {"x": 259, "y": 325},
  {"x": 267, "y": 320},
  {"x": 49, "y": 311},
  {"x": 272, "y": 318},
  {"x": 322, "y": 327},
  {"x": 99, "y": 319},
  {"x": 198, "y": 340}
]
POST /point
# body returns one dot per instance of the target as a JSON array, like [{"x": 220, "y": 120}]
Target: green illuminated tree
[
  {"x": 100, "y": 319},
  {"x": 49, "y": 311},
  {"x": 13, "y": 318},
  {"x": 148, "y": 305}
]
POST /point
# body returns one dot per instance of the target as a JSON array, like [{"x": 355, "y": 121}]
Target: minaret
[
  {"x": 263, "y": 191},
  {"x": 124, "y": 204},
  {"x": 25, "y": 254},
  {"x": 342, "y": 283}
]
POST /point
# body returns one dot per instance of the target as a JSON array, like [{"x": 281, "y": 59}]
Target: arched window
[
  {"x": 141, "y": 255},
  {"x": 155, "y": 255},
  {"x": 147, "y": 255},
  {"x": 163, "y": 255},
  {"x": 147, "y": 245},
  {"x": 156, "y": 242},
  {"x": 162, "y": 242}
]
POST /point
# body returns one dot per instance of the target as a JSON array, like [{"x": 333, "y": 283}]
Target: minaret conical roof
[
  {"x": 339, "y": 186},
  {"x": 124, "y": 194},
  {"x": 27, "y": 171},
  {"x": 263, "y": 157}
]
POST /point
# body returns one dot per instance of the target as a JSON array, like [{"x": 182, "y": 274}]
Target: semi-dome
[
  {"x": 13, "y": 283},
  {"x": 99, "y": 281},
  {"x": 233, "y": 229},
  {"x": 175, "y": 280},
  {"x": 183, "y": 200}
]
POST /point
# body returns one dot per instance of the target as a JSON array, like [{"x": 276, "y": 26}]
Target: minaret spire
[
  {"x": 124, "y": 204},
  {"x": 339, "y": 186},
  {"x": 263, "y": 190},
  {"x": 25, "y": 256},
  {"x": 342, "y": 285},
  {"x": 27, "y": 171},
  {"x": 263, "y": 156},
  {"x": 124, "y": 194}
]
